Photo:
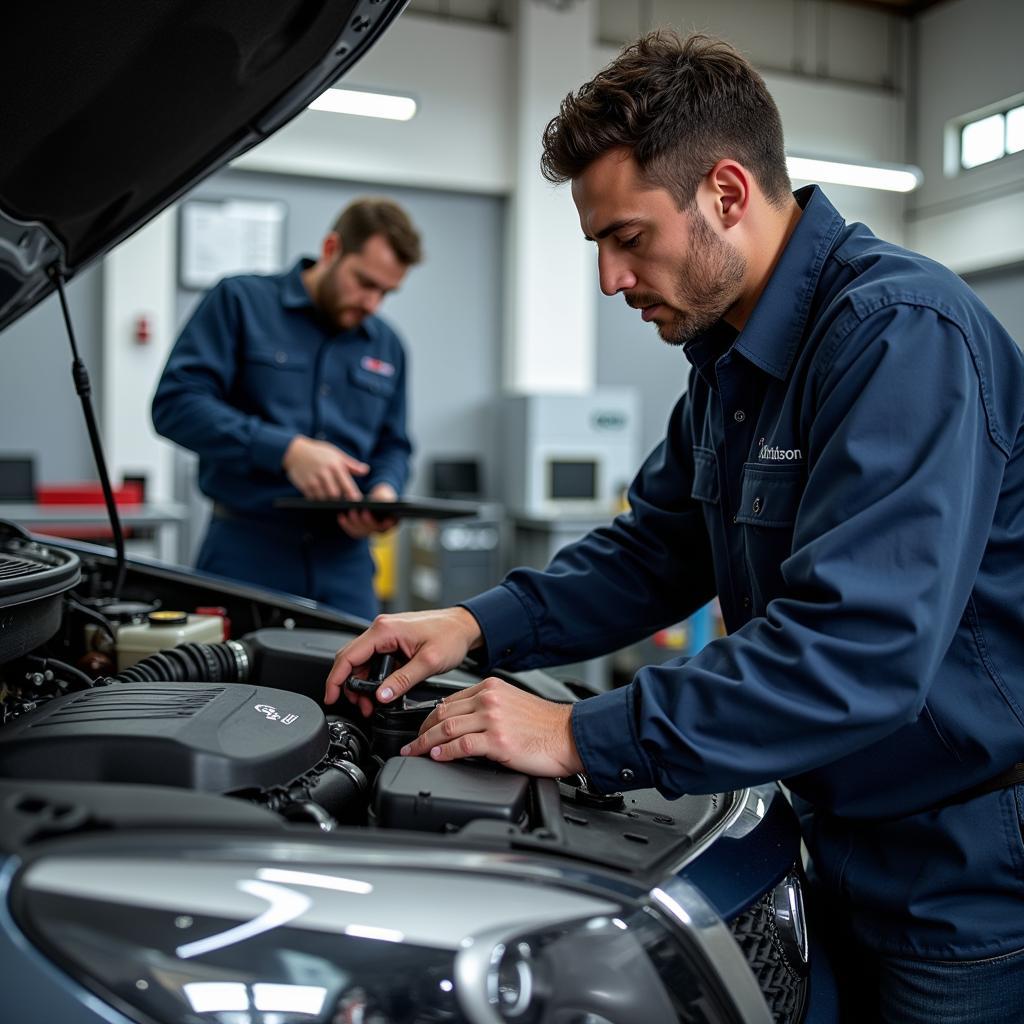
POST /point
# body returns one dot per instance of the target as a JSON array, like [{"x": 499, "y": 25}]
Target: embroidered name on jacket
[{"x": 770, "y": 453}]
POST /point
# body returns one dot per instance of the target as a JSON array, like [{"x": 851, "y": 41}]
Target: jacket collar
[{"x": 771, "y": 337}]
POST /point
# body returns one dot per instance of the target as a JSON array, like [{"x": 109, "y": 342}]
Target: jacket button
[
  {"x": 756, "y": 506},
  {"x": 739, "y": 415},
  {"x": 626, "y": 775}
]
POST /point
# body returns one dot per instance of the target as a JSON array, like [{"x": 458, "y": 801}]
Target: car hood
[{"x": 113, "y": 109}]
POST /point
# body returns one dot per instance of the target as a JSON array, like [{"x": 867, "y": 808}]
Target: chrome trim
[
  {"x": 473, "y": 967},
  {"x": 754, "y": 808},
  {"x": 686, "y": 906}
]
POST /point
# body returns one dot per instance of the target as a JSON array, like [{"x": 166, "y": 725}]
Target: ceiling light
[
  {"x": 365, "y": 104},
  {"x": 890, "y": 177}
]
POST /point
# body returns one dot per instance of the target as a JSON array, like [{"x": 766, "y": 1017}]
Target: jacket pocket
[
  {"x": 769, "y": 497},
  {"x": 375, "y": 383}
]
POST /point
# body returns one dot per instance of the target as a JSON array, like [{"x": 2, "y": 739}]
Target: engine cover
[{"x": 215, "y": 738}]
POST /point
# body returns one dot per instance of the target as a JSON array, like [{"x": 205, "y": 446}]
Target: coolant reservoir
[{"x": 163, "y": 629}]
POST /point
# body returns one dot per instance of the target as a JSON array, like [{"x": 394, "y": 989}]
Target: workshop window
[{"x": 992, "y": 137}]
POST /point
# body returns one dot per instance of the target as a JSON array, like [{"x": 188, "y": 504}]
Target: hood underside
[{"x": 112, "y": 109}]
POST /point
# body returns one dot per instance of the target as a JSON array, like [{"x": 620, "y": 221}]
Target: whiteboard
[{"x": 230, "y": 236}]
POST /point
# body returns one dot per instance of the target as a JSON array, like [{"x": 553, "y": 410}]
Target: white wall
[
  {"x": 138, "y": 281},
  {"x": 460, "y": 139},
  {"x": 968, "y": 55}
]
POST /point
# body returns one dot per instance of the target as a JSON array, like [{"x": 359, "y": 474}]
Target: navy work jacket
[
  {"x": 256, "y": 365},
  {"x": 847, "y": 475}
]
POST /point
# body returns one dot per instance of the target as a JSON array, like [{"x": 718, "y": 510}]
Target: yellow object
[{"x": 384, "y": 549}]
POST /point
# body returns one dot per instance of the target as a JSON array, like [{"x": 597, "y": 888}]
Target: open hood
[{"x": 113, "y": 109}]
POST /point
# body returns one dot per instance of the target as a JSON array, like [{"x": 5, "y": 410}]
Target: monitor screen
[
  {"x": 572, "y": 479},
  {"x": 455, "y": 478}
]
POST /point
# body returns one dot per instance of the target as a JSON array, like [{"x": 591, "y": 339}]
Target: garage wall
[
  {"x": 40, "y": 414},
  {"x": 967, "y": 56}
]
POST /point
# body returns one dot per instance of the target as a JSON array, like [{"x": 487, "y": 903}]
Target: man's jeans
[
  {"x": 881, "y": 989},
  {"x": 989, "y": 991}
]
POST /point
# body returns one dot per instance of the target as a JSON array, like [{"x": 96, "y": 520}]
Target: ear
[
  {"x": 331, "y": 248},
  {"x": 730, "y": 185}
]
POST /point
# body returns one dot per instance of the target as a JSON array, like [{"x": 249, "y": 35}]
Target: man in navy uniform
[
  {"x": 290, "y": 384},
  {"x": 846, "y": 473}
]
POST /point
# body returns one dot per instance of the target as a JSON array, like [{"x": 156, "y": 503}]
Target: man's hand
[
  {"x": 432, "y": 642},
  {"x": 502, "y": 723},
  {"x": 320, "y": 470},
  {"x": 360, "y": 522}
]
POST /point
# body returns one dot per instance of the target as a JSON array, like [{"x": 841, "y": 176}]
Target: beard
[
  {"x": 331, "y": 304},
  {"x": 707, "y": 285}
]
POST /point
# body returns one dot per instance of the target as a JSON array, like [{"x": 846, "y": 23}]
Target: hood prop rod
[{"x": 83, "y": 388}]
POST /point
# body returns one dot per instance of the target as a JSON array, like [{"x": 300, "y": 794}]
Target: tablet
[{"x": 403, "y": 508}]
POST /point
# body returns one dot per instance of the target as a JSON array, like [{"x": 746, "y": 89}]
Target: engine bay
[{"x": 102, "y": 695}]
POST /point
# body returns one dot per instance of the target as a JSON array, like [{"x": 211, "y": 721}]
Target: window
[{"x": 992, "y": 137}]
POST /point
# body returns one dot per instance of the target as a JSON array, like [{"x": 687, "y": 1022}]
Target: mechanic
[
  {"x": 291, "y": 384},
  {"x": 846, "y": 473}
]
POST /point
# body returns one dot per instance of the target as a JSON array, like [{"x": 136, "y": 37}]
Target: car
[{"x": 187, "y": 833}]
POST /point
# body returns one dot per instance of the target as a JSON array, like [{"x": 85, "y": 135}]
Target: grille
[
  {"x": 18, "y": 568},
  {"x": 783, "y": 986}
]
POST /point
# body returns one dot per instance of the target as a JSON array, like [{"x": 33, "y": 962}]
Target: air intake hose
[{"x": 190, "y": 663}]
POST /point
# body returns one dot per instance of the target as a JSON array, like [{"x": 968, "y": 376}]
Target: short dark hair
[
  {"x": 680, "y": 105},
  {"x": 366, "y": 217}
]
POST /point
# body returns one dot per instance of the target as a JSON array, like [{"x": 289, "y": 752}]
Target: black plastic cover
[
  {"x": 428, "y": 796},
  {"x": 34, "y": 811},
  {"x": 296, "y": 660},
  {"x": 216, "y": 738},
  {"x": 33, "y": 577}
]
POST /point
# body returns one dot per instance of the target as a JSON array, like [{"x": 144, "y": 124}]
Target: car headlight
[{"x": 283, "y": 933}]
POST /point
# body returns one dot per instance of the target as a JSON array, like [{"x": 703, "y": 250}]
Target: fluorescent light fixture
[
  {"x": 1015, "y": 130},
  {"x": 365, "y": 104},
  {"x": 889, "y": 177}
]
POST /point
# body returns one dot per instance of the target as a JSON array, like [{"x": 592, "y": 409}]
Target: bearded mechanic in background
[
  {"x": 846, "y": 472},
  {"x": 291, "y": 384}
]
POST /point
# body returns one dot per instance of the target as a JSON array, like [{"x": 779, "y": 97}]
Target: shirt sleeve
[
  {"x": 389, "y": 460},
  {"x": 650, "y": 568},
  {"x": 903, "y": 478},
  {"x": 191, "y": 405}
]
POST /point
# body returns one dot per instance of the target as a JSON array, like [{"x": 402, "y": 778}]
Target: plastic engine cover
[
  {"x": 430, "y": 796},
  {"x": 211, "y": 737}
]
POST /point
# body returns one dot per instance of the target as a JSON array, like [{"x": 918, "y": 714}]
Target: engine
[{"x": 239, "y": 718}]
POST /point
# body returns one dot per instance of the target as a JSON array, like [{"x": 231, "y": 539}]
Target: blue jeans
[
  {"x": 326, "y": 566},
  {"x": 876, "y": 988},
  {"x": 989, "y": 991}
]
